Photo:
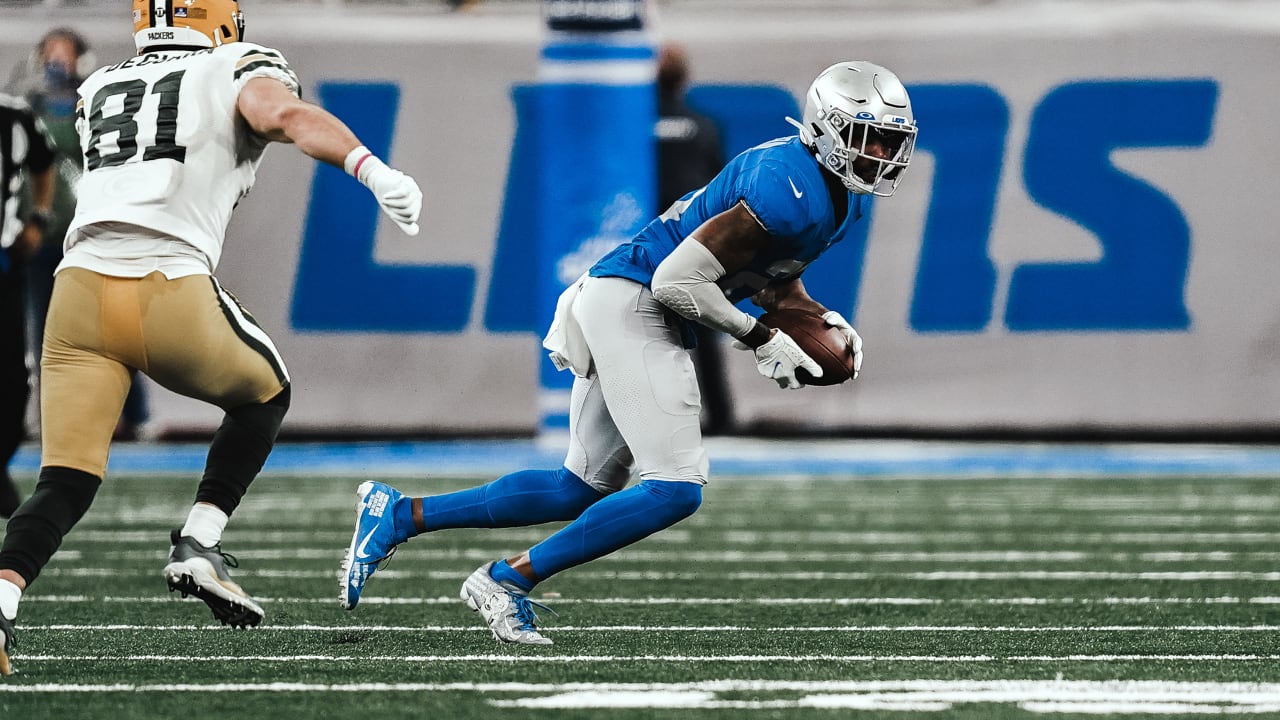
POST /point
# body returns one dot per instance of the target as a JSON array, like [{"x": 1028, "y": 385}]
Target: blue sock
[
  {"x": 527, "y": 497},
  {"x": 507, "y": 575},
  {"x": 615, "y": 522}
]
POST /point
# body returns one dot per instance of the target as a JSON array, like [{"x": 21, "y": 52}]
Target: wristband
[{"x": 355, "y": 160}]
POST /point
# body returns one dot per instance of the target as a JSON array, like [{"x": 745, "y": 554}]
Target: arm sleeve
[{"x": 686, "y": 282}]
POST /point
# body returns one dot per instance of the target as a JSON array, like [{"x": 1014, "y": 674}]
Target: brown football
[{"x": 826, "y": 345}]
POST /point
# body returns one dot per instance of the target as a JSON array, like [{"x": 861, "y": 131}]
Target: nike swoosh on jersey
[{"x": 797, "y": 192}]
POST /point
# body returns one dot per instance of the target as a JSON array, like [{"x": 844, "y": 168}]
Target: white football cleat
[{"x": 508, "y": 611}]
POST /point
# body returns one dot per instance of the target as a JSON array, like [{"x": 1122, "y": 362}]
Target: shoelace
[
  {"x": 525, "y": 613},
  {"x": 227, "y": 558},
  {"x": 385, "y": 559}
]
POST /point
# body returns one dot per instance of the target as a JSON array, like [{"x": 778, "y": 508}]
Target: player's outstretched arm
[{"x": 274, "y": 112}]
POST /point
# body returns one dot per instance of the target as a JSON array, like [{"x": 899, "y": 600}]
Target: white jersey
[{"x": 166, "y": 153}]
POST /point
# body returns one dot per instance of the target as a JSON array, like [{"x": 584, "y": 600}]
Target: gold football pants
[{"x": 188, "y": 334}]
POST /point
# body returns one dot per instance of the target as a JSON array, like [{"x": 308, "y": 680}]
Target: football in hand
[{"x": 825, "y": 344}]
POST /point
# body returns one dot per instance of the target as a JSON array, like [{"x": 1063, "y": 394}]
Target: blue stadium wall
[{"x": 1085, "y": 241}]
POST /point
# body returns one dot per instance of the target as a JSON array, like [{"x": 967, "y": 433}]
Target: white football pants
[{"x": 641, "y": 405}]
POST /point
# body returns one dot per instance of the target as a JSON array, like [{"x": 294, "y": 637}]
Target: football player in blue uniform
[{"x": 624, "y": 330}]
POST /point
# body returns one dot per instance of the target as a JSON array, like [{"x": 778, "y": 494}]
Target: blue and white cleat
[
  {"x": 507, "y": 611},
  {"x": 373, "y": 541}
]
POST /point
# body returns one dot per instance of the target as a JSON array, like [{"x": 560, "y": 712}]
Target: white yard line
[
  {"x": 562, "y": 659},
  {"x": 744, "y": 576},
  {"x": 1149, "y": 689},
  {"x": 878, "y": 538},
  {"x": 632, "y": 556},
  {"x": 68, "y": 627},
  {"x": 451, "y": 600},
  {"x": 1040, "y": 696}
]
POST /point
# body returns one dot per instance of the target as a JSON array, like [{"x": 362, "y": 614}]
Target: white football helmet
[{"x": 858, "y": 122}]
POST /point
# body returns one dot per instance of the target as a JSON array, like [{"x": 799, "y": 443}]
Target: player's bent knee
[
  {"x": 680, "y": 499},
  {"x": 263, "y": 419},
  {"x": 688, "y": 498},
  {"x": 282, "y": 399}
]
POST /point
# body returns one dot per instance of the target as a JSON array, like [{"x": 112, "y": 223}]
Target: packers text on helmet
[{"x": 186, "y": 23}]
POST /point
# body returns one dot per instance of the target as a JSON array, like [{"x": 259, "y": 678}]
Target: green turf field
[{"x": 780, "y": 598}]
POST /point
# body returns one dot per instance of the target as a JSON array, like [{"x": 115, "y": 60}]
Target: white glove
[
  {"x": 779, "y": 358},
  {"x": 835, "y": 320},
  {"x": 397, "y": 193}
]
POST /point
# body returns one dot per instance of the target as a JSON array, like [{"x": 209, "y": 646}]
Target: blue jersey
[{"x": 782, "y": 184}]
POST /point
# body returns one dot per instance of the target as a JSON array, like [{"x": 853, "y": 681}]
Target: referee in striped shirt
[{"x": 25, "y": 150}]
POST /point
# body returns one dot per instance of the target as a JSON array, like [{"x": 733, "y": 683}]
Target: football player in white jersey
[{"x": 171, "y": 139}]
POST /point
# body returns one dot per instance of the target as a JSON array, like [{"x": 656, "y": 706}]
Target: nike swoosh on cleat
[
  {"x": 796, "y": 191},
  {"x": 360, "y": 553}
]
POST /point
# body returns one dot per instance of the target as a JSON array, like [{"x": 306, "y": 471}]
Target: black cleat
[{"x": 201, "y": 572}]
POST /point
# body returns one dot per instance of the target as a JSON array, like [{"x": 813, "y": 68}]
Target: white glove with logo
[
  {"x": 397, "y": 193},
  {"x": 779, "y": 358},
  {"x": 835, "y": 320}
]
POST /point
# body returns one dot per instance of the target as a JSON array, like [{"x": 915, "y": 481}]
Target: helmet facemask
[
  {"x": 863, "y": 153},
  {"x": 859, "y": 124}
]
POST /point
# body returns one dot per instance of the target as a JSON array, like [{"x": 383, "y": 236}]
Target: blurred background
[{"x": 1083, "y": 247}]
